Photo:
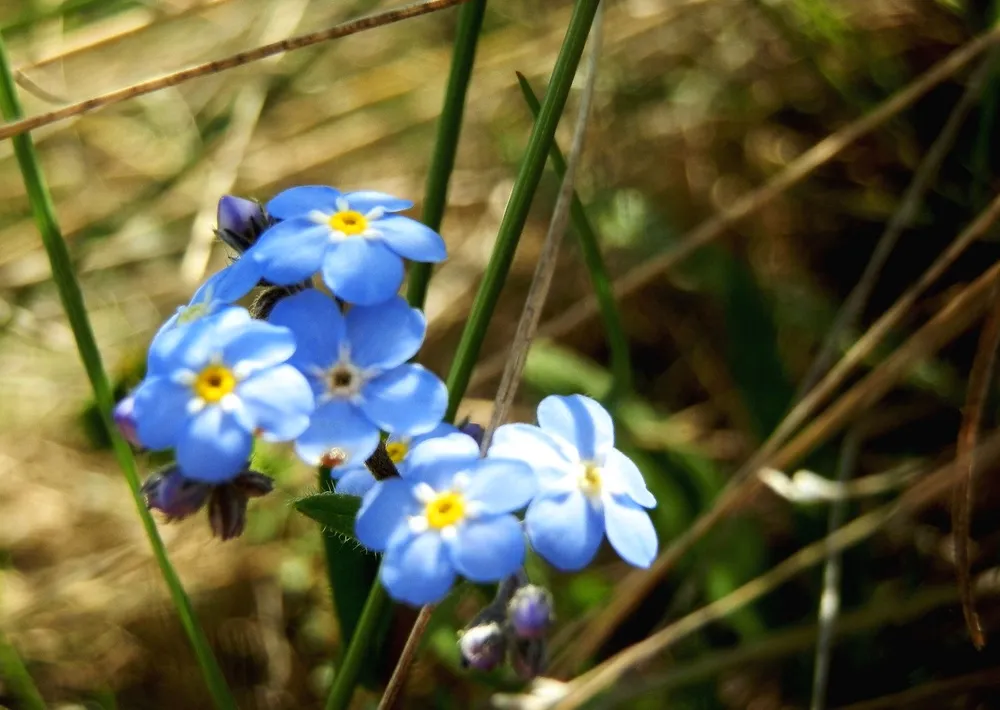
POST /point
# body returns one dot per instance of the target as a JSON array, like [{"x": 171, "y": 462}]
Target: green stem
[
  {"x": 470, "y": 22},
  {"x": 346, "y": 678},
  {"x": 621, "y": 366},
  {"x": 516, "y": 214},
  {"x": 19, "y": 681},
  {"x": 76, "y": 312}
]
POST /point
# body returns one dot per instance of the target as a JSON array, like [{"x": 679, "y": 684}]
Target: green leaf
[{"x": 334, "y": 511}]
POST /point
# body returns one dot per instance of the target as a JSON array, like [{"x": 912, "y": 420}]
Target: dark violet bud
[
  {"x": 527, "y": 657},
  {"x": 482, "y": 646},
  {"x": 227, "y": 512},
  {"x": 124, "y": 416},
  {"x": 240, "y": 222},
  {"x": 474, "y": 430},
  {"x": 172, "y": 494},
  {"x": 530, "y": 611}
]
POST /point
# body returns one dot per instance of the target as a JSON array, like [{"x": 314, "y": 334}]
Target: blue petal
[
  {"x": 565, "y": 529},
  {"x": 442, "y": 429},
  {"x": 229, "y": 284},
  {"x": 411, "y": 239},
  {"x": 524, "y": 442},
  {"x": 277, "y": 401},
  {"x": 580, "y": 422},
  {"x": 408, "y": 399},
  {"x": 259, "y": 346},
  {"x": 337, "y": 424},
  {"x": 364, "y": 201},
  {"x": 214, "y": 447},
  {"x": 488, "y": 549},
  {"x": 291, "y": 251},
  {"x": 362, "y": 271},
  {"x": 418, "y": 571},
  {"x": 300, "y": 201},
  {"x": 630, "y": 531},
  {"x": 355, "y": 481},
  {"x": 436, "y": 461},
  {"x": 160, "y": 412},
  {"x": 628, "y": 476},
  {"x": 384, "y": 509},
  {"x": 385, "y": 335},
  {"x": 500, "y": 485},
  {"x": 317, "y": 324},
  {"x": 161, "y": 348},
  {"x": 205, "y": 339}
]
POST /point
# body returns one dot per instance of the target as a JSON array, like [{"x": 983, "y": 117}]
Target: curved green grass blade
[
  {"x": 600, "y": 280},
  {"x": 470, "y": 22},
  {"x": 76, "y": 312}
]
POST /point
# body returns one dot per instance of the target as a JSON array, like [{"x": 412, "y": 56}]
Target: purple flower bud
[
  {"x": 482, "y": 646},
  {"x": 530, "y": 611},
  {"x": 124, "y": 416},
  {"x": 240, "y": 222},
  {"x": 527, "y": 657},
  {"x": 227, "y": 512},
  {"x": 472, "y": 429},
  {"x": 177, "y": 497},
  {"x": 253, "y": 484}
]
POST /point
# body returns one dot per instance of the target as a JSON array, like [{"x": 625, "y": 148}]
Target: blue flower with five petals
[
  {"x": 448, "y": 514},
  {"x": 357, "y": 366},
  {"x": 356, "y": 479},
  {"x": 587, "y": 486},
  {"x": 219, "y": 291},
  {"x": 222, "y": 382},
  {"x": 354, "y": 239}
]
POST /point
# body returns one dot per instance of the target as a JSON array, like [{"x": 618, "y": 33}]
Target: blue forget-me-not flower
[
  {"x": 588, "y": 488},
  {"x": 355, "y": 239},
  {"x": 222, "y": 382},
  {"x": 448, "y": 514},
  {"x": 357, "y": 366},
  {"x": 357, "y": 479}
]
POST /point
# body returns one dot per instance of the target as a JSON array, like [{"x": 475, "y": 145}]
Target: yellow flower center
[
  {"x": 445, "y": 509},
  {"x": 590, "y": 480},
  {"x": 397, "y": 450},
  {"x": 349, "y": 222},
  {"x": 214, "y": 382}
]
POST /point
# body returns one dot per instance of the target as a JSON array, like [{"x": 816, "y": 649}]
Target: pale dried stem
[
  {"x": 794, "y": 173},
  {"x": 637, "y": 584},
  {"x": 287, "y": 45},
  {"x": 980, "y": 378},
  {"x": 538, "y": 291}
]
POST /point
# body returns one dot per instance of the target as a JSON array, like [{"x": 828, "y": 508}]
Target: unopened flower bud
[
  {"x": 253, "y": 484},
  {"x": 472, "y": 429},
  {"x": 174, "y": 495},
  {"x": 527, "y": 657},
  {"x": 530, "y": 611},
  {"x": 124, "y": 416},
  {"x": 482, "y": 646},
  {"x": 240, "y": 222},
  {"x": 227, "y": 512}
]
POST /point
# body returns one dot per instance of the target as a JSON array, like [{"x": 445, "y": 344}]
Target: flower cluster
[
  {"x": 322, "y": 361},
  {"x": 326, "y": 371}
]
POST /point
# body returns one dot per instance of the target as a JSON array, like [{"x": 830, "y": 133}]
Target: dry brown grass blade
[
  {"x": 286, "y": 45},
  {"x": 980, "y": 378},
  {"x": 637, "y": 584},
  {"x": 606, "y": 674},
  {"x": 942, "y": 690},
  {"x": 796, "y": 171}
]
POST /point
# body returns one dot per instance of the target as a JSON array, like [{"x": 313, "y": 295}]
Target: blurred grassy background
[{"x": 697, "y": 101}]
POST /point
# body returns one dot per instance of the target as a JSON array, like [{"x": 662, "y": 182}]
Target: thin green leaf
[
  {"x": 470, "y": 22},
  {"x": 17, "y": 678},
  {"x": 76, "y": 312},
  {"x": 600, "y": 280},
  {"x": 332, "y": 510},
  {"x": 516, "y": 214}
]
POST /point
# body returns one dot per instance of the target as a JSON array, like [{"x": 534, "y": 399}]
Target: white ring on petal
[
  {"x": 342, "y": 205},
  {"x": 318, "y": 217},
  {"x": 183, "y": 377},
  {"x": 418, "y": 524},
  {"x": 473, "y": 509},
  {"x": 375, "y": 213},
  {"x": 230, "y": 402},
  {"x": 449, "y": 533},
  {"x": 460, "y": 481},
  {"x": 424, "y": 493},
  {"x": 195, "y": 405}
]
